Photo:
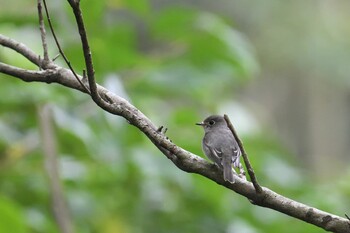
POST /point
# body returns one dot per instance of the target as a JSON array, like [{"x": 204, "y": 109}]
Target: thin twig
[
  {"x": 55, "y": 57},
  {"x": 43, "y": 33},
  {"x": 251, "y": 173},
  {"x": 75, "y": 4},
  {"x": 60, "y": 49},
  {"x": 86, "y": 49}
]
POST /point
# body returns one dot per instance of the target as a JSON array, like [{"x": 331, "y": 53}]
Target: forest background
[{"x": 278, "y": 69}]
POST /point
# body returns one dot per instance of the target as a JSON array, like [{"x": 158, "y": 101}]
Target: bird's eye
[{"x": 211, "y": 122}]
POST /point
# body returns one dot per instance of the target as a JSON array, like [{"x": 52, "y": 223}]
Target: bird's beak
[{"x": 200, "y": 123}]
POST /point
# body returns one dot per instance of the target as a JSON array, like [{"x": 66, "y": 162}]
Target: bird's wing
[
  {"x": 218, "y": 152},
  {"x": 212, "y": 153},
  {"x": 236, "y": 154}
]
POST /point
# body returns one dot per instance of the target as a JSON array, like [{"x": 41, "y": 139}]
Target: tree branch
[
  {"x": 244, "y": 155},
  {"x": 28, "y": 75},
  {"x": 75, "y": 4},
  {"x": 183, "y": 159},
  {"x": 43, "y": 33},
  {"x": 21, "y": 49},
  {"x": 60, "y": 49}
]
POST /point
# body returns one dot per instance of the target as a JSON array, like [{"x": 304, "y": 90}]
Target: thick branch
[
  {"x": 54, "y": 75},
  {"x": 28, "y": 75}
]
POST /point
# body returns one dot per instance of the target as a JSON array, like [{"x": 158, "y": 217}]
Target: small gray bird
[{"x": 220, "y": 146}]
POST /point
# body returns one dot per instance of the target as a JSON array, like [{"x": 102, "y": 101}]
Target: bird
[{"x": 220, "y": 146}]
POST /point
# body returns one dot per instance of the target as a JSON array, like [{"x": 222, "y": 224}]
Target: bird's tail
[{"x": 228, "y": 173}]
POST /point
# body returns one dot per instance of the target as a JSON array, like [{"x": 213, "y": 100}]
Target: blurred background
[{"x": 279, "y": 69}]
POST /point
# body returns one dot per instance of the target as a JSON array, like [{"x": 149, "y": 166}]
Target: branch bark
[
  {"x": 43, "y": 32},
  {"x": 183, "y": 159},
  {"x": 21, "y": 49},
  {"x": 244, "y": 155}
]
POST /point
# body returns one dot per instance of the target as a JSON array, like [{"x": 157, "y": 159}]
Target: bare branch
[
  {"x": 245, "y": 156},
  {"x": 87, "y": 55},
  {"x": 27, "y": 75},
  {"x": 21, "y": 49},
  {"x": 60, "y": 49},
  {"x": 54, "y": 75},
  {"x": 43, "y": 33}
]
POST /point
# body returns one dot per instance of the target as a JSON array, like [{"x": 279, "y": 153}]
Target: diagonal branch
[
  {"x": 75, "y": 4},
  {"x": 244, "y": 155}
]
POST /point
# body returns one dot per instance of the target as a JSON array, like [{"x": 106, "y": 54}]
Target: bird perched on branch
[{"x": 220, "y": 146}]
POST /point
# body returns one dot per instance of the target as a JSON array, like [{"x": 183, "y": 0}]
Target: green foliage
[
  {"x": 12, "y": 219},
  {"x": 175, "y": 64}
]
